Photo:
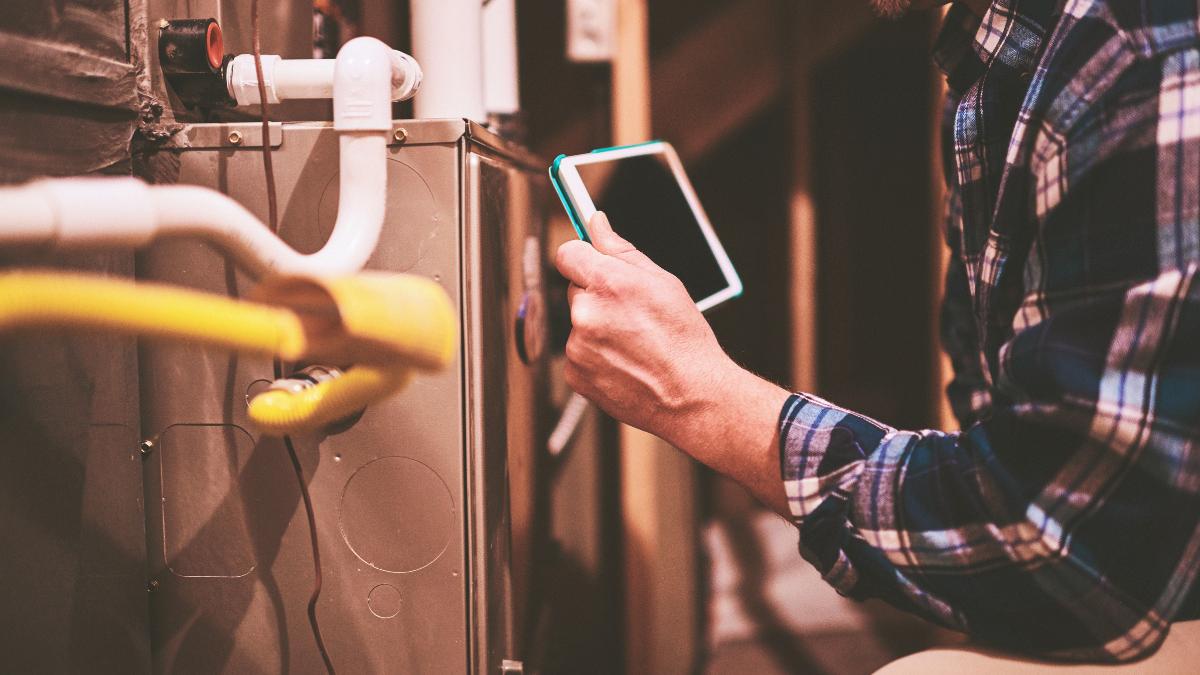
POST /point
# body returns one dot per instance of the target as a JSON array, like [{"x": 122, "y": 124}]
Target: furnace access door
[{"x": 423, "y": 504}]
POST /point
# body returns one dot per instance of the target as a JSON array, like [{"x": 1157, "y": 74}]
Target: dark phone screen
[{"x": 646, "y": 205}]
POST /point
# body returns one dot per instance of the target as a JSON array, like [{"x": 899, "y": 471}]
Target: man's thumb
[
  {"x": 609, "y": 242},
  {"x": 603, "y": 238}
]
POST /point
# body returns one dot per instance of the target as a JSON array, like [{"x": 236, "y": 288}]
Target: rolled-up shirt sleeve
[
  {"x": 1066, "y": 524},
  {"x": 1064, "y": 519}
]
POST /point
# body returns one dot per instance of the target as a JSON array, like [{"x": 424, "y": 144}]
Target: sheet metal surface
[
  {"x": 195, "y": 557},
  {"x": 73, "y": 597},
  {"x": 413, "y": 503}
]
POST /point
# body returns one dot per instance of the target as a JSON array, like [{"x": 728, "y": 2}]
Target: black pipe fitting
[
  {"x": 190, "y": 46},
  {"x": 191, "y": 53}
]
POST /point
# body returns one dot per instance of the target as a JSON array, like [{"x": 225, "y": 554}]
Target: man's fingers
[
  {"x": 610, "y": 243},
  {"x": 572, "y": 291},
  {"x": 605, "y": 240},
  {"x": 578, "y": 262}
]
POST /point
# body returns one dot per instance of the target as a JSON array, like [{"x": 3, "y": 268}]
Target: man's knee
[{"x": 1179, "y": 653}]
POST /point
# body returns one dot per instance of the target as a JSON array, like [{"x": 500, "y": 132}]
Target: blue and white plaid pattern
[{"x": 1065, "y": 519}]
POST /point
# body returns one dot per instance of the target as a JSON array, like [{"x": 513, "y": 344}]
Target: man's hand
[
  {"x": 638, "y": 348},
  {"x": 641, "y": 350}
]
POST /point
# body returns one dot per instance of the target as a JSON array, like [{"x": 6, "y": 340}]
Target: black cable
[
  {"x": 310, "y": 514},
  {"x": 316, "y": 555},
  {"x": 273, "y": 219}
]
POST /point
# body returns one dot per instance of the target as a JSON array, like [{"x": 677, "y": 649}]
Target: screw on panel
[
  {"x": 235, "y": 138},
  {"x": 400, "y": 135},
  {"x": 146, "y": 447}
]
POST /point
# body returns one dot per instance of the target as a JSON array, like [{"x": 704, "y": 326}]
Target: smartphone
[{"x": 649, "y": 201}]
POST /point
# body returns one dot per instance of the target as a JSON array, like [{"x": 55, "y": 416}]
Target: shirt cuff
[{"x": 823, "y": 449}]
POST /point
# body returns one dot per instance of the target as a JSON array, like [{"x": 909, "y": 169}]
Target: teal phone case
[
  {"x": 562, "y": 197},
  {"x": 576, "y": 221}
]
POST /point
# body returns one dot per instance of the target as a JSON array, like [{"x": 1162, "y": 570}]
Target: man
[{"x": 1063, "y": 520}]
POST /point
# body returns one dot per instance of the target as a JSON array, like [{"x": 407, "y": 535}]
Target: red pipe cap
[{"x": 216, "y": 45}]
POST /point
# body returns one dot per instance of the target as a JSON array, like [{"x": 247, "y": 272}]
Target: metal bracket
[{"x": 232, "y": 135}]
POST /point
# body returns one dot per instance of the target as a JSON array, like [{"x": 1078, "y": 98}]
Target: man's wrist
[
  {"x": 705, "y": 397},
  {"x": 731, "y": 424}
]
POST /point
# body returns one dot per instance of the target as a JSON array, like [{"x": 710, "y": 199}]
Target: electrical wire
[
  {"x": 273, "y": 219},
  {"x": 310, "y": 515},
  {"x": 316, "y": 554}
]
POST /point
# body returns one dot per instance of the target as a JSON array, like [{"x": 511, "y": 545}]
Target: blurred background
[{"x": 808, "y": 128}]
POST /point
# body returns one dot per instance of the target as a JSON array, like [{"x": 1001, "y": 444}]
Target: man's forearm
[
  {"x": 733, "y": 427},
  {"x": 640, "y": 349}
]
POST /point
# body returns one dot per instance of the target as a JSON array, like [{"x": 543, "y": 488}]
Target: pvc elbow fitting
[
  {"x": 242, "y": 79},
  {"x": 362, "y": 83},
  {"x": 406, "y": 76},
  {"x": 314, "y": 78}
]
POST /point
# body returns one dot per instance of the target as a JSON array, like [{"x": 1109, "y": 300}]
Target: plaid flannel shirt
[{"x": 1063, "y": 520}]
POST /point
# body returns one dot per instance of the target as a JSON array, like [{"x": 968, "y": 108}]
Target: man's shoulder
[{"x": 1148, "y": 29}]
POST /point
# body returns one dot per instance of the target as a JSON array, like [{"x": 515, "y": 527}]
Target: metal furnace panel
[
  {"x": 229, "y": 541},
  {"x": 73, "y": 597},
  {"x": 506, "y": 394}
]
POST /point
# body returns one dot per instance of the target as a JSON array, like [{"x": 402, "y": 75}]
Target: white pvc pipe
[
  {"x": 125, "y": 212},
  {"x": 501, "y": 84},
  {"x": 191, "y": 211},
  {"x": 447, "y": 40},
  {"x": 26, "y": 217},
  {"x": 307, "y": 78},
  {"x": 301, "y": 78}
]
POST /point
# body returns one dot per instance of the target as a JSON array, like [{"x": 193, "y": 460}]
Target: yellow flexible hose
[
  {"x": 285, "y": 412},
  {"x": 398, "y": 318},
  {"x": 407, "y": 317},
  {"x": 390, "y": 324},
  {"x": 67, "y": 300}
]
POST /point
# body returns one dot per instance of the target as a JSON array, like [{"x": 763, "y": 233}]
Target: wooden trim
[
  {"x": 802, "y": 207},
  {"x": 658, "y": 483},
  {"x": 939, "y": 254},
  {"x": 631, "y": 74},
  {"x": 702, "y": 93},
  {"x": 714, "y": 91}
]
